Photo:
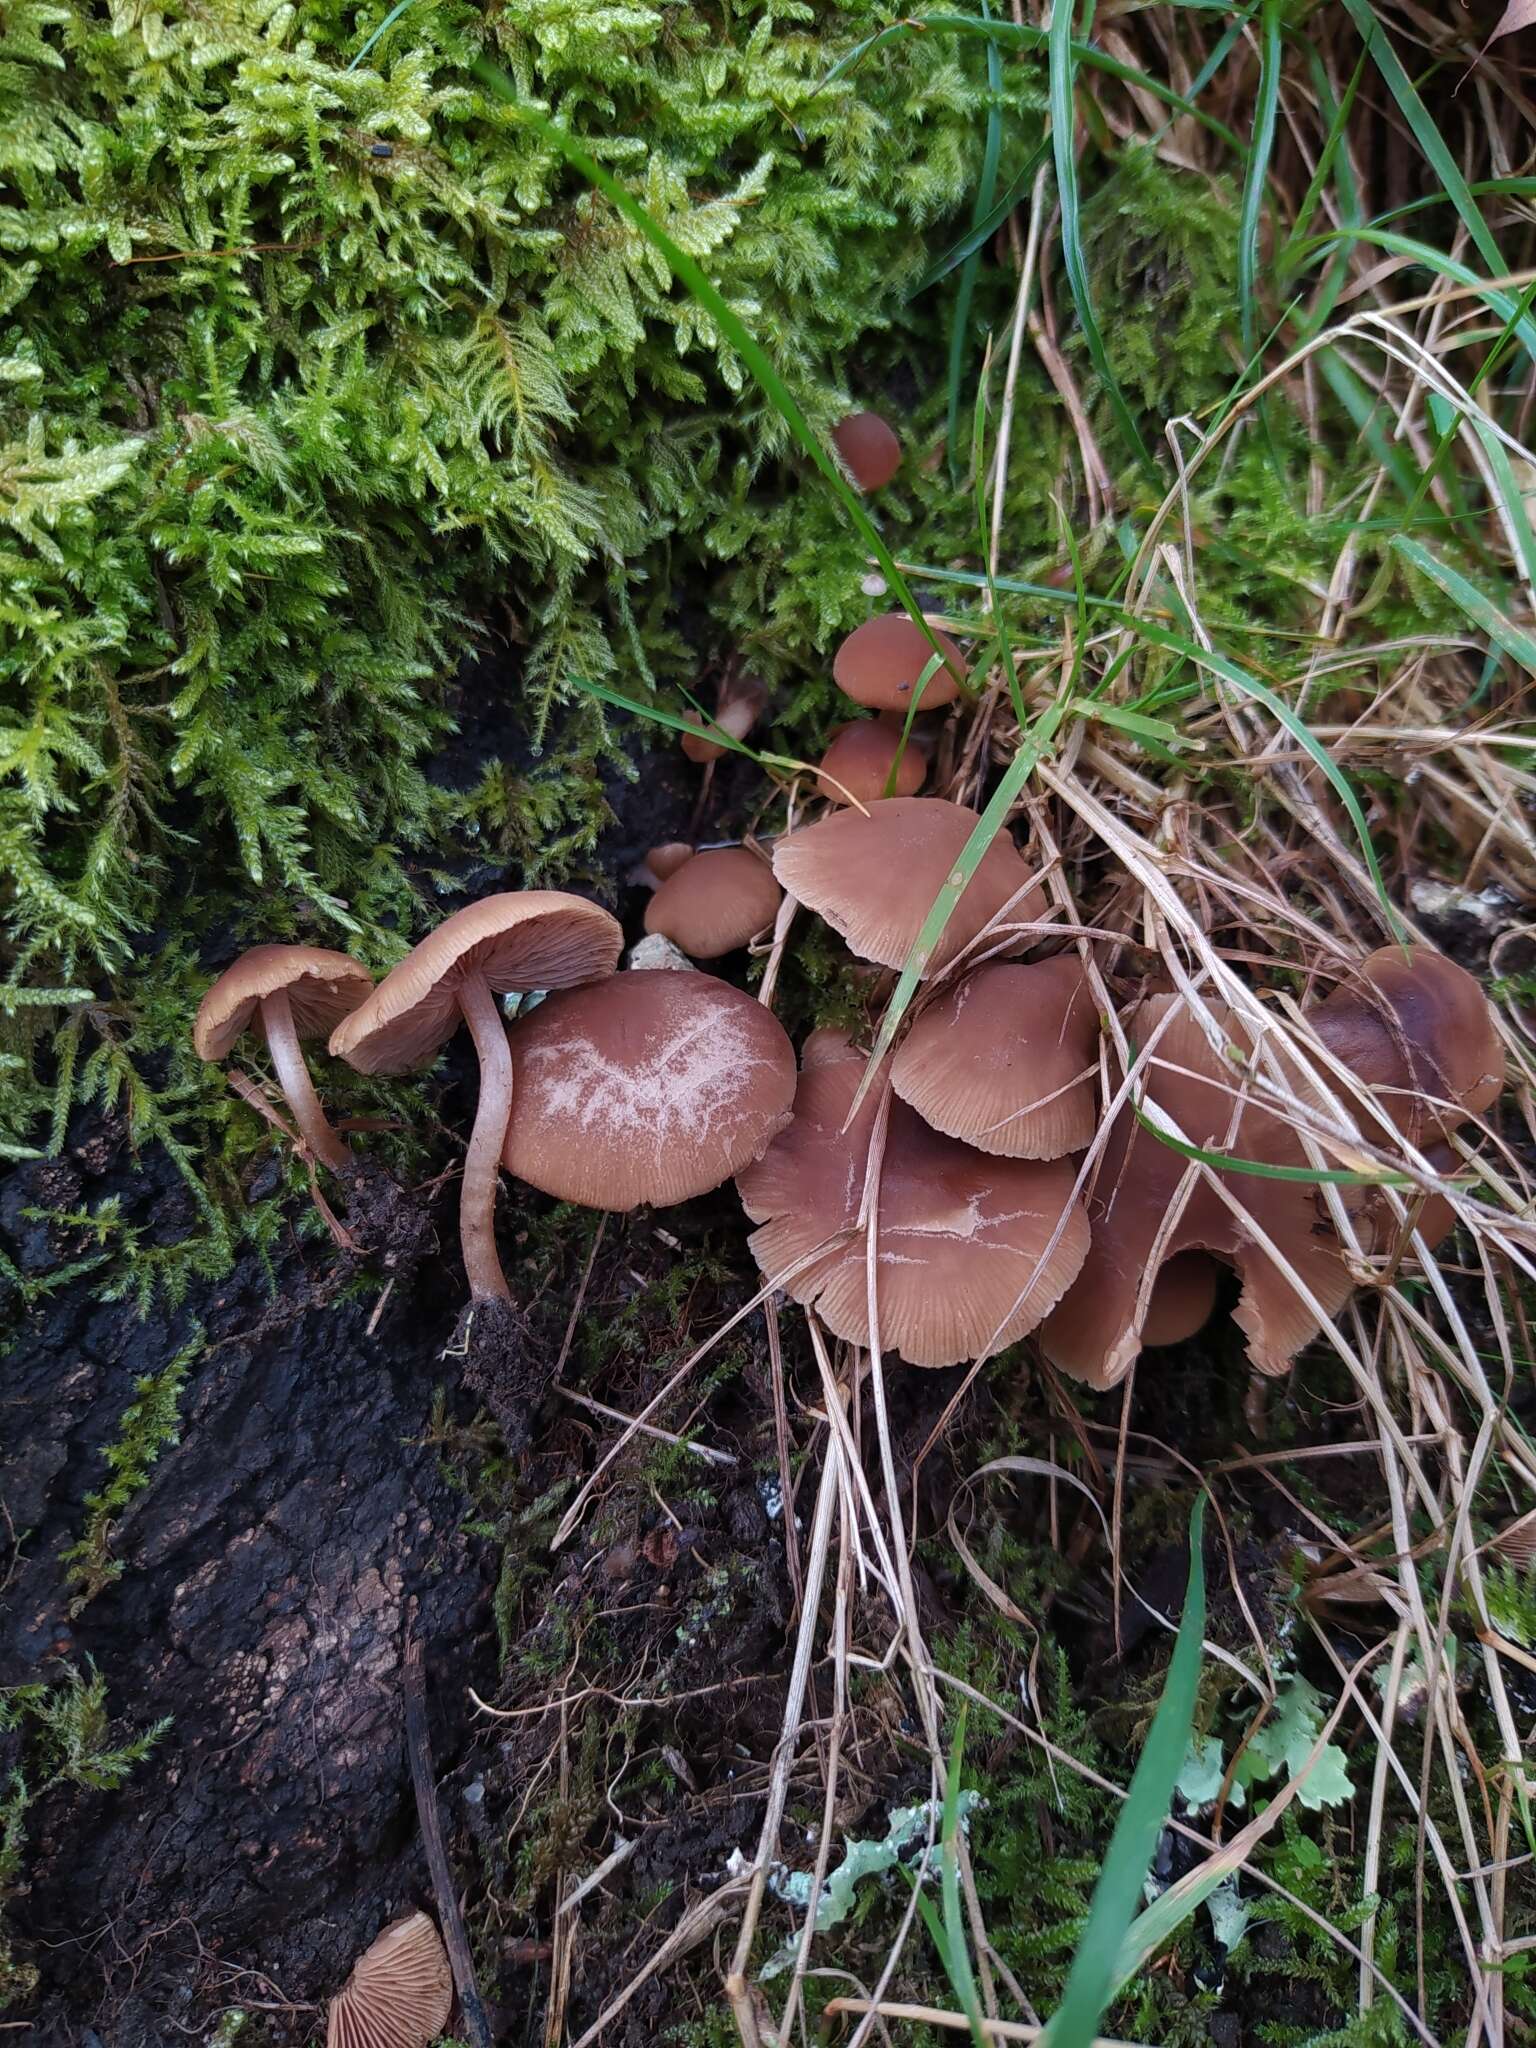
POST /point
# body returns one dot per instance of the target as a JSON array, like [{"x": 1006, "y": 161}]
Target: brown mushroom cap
[
  {"x": 664, "y": 861},
  {"x": 715, "y": 902},
  {"x": 869, "y": 448},
  {"x": 322, "y": 987},
  {"x": 857, "y": 764},
  {"x": 533, "y": 939},
  {"x": 1095, "y": 1332},
  {"x": 965, "y": 1258},
  {"x": 1005, "y": 1060},
  {"x": 873, "y": 877},
  {"x": 400, "y": 1993},
  {"x": 879, "y": 664},
  {"x": 648, "y": 1087},
  {"x": 1420, "y": 1030},
  {"x": 1183, "y": 1295}
]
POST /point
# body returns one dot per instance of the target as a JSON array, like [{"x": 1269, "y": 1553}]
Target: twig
[{"x": 418, "y": 1747}]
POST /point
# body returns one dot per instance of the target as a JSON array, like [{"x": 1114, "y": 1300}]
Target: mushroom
[
  {"x": 399, "y": 1993},
  {"x": 663, "y": 862},
  {"x": 1183, "y": 1295},
  {"x": 737, "y": 709},
  {"x": 539, "y": 939},
  {"x": 715, "y": 902},
  {"x": 873, "y": 876},
  {"x": 971, "y": 1251},
  {"x": 879, "y": 664},
  {"x": 870, "y": 450},
  {"x": 651, "y": 1087},
  {"x": 1005, "y": 1060},
  {"x": 294, "y": 993},
  {"x": 1420, "y": 1030},
  {"x": 1417, "y": 1028},
  {"x": 857, "y": 765}
]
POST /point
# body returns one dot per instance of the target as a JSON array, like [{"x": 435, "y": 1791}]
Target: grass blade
[
  {"x": 699, "y": 287},
  {"x": 1518, "y": 644},
  {"x": 1063, "y": 77},
  {"x": 960, "y": 315},
  {"x": 1256, "y": 180},
  {"x": 982, "y": 230},
  {"x": 1094, "y": 1975},
  {"x": 1425, "y": 133}
]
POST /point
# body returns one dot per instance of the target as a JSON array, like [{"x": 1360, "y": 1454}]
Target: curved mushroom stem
[
  {"x": 482, "y": 1162},
  {"x": 293, "y": 1078}
]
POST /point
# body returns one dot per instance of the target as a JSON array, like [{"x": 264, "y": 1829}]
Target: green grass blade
[
  {"x": 1092, "y": 1980},
  {"x": 960, "y": 314},
  {"x": 1229, "y": 1162},
  {"x": 982, "y": 230},
  {"x": 1063, "y": 78},
  {"x": 1024, "y": 36},
  {"x": 1518, "y": 644},
  {"x": 1032, "y": 747},
  {"x": 957, "y": 1953},
  {"x": 706, "y": 294},
  {"x": 1425, "y": 133},
  {"x": 1509, "y": 309},
  {"x": 1256, "y": 181}
]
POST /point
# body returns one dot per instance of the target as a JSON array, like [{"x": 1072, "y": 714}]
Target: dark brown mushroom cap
[
  {"x": 400, "y": 1993},
  {"x": 1421, "y": 1031},
  {"x": 972, "y": 1250},
  {"x": 1005, "y": 1060},
  {"x": 1095, "y": 1331},
  {"x": 648, "y": 1087},
  {"x": 715, "y": 902},
  {"x": 322, "y": 988},
  {"x": 532, "y": 939},
  {"x": 880, "y": 663},
  {"x": 869, "y": 448},
  {"x": 857, "y": 763},
  {"x": 873, "y": 877},
  {"x": 1183, "y": 1296}
]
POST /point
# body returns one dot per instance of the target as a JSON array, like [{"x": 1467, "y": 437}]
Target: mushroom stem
[
  {"x": 482, "y": 1161},
  {"x": 293, "y": 1079}
]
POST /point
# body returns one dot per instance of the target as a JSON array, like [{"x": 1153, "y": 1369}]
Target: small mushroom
[
  {"x": 857, "y": 764},
  {"x": 880, "y": 663},
  {"x": 663, "y": 862},
  {"x": 972, "y": 1250},
  {"x": 870, "y": 450},
  {"x": 873, "y": 876},
  {"x": 291, "y": 993},
  {"x": 651, "y": 1087},
  {"x": 1005, "y": 1060},
  {"x": 1183, "y": 1296},
  {"x": 737, "y": 709},
  {"x": 1421, "y": 1032},
  {"x": 538, "y": 939},
  {"x": 399, "y": 1993},
  {"x": 715, "y": 902}
]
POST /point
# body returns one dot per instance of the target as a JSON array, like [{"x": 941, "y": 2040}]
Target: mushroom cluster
[
  {"x": 615, "y": 1090},
  {"x": 983, "y": 1175}
]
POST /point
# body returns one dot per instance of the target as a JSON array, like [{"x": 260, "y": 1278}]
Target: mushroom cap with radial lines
[
  {"x": 858, "y": 762},
  {"x": 399, "y": 1994},
  {"x": 869, "y": 448},
  {"x": 1096, "y": 1332},
  {"x": 1005, "y": 1060},
  {"x": 715, "y": 902},
  {"x": 972, "y": 1250},
  {"x": 322, "y": 988},
  {"x": 531, "y": 939},
  {"x": 873, "y": 877},
  {"x": 881, "y": 662},
  {"x": 649, "y": 1087}
]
